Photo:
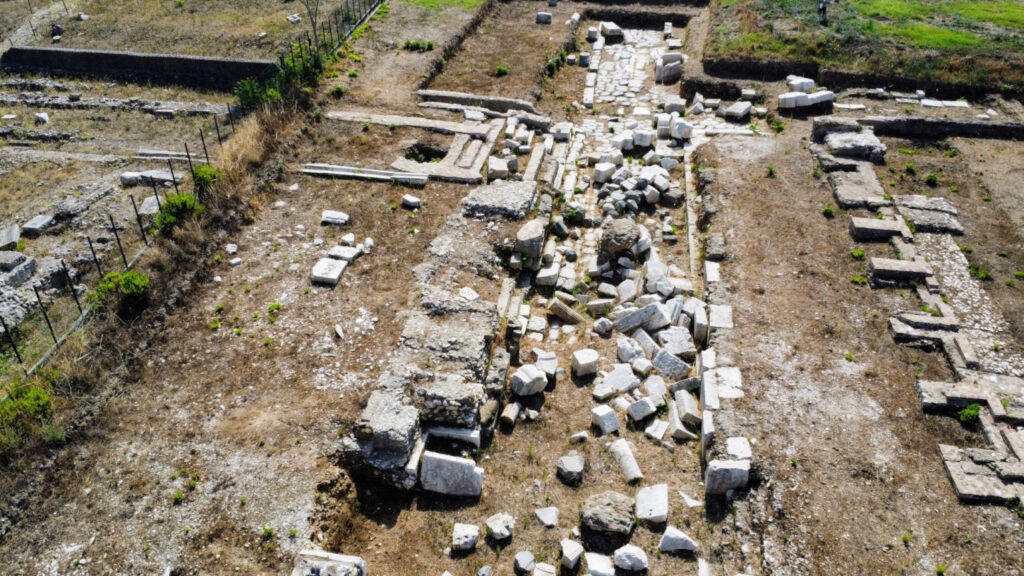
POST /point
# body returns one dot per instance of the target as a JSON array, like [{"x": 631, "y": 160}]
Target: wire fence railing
[
  {"x": 332, "y": 31},
  {"x": 132, "y": 235}
]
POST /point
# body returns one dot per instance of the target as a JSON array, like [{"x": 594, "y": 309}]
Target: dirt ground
[
  {"x": 218, "y": 454},
  {"x": 474, "y": 67},
  {"x": 390, "y": 74},
  {"x": 852, "y": 461},
  {"x": 219, "y": 28}
]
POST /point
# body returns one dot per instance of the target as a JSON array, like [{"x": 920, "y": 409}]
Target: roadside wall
[{"x": 194, "y": 71}]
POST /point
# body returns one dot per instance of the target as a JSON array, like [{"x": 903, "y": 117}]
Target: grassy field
[{"x": 977, "y": 43}]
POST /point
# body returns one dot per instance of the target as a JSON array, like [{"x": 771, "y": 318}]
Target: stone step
[
  {"x": 469, "y": 153},
  {"x": 455, "y": 150},
  {"x": 474, "y": 130},
  {"x": 875, "y": 230},
  {"x": 899, "y": 271},
  {"x": 354, "y": 173},
  {"x": 923, "y": 321}
]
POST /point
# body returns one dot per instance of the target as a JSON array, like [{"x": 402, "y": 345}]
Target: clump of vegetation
[
  {"x": 859, "y": 280},
  {"x": 177, "y": 208},
  {"x": 203, "y": 178},
  {"x": 980, "y": 273},
  {"x": 857, "y": 254},
  {"x": 252, "y": 95},
  {"x": 849, "y": 356},
  {"x": 500, "y": 71},
  {"x": 127, "y": 290},
  {"x": 932, "y": 179},
  {"x": 829, "y": 211},
  {"x": 970, "y": 415},
  {"x": 910, "y": 169},
  {"x": 27, "y": 407},
  {"x": 771, "y": 171},
  {"x": 777, "y": 126},
  {"x": 179, "y": 497},
  {"x": 906, "y": 538},
  {"x": 338, "y": 92},
  {"x": 419, "y": 45}
]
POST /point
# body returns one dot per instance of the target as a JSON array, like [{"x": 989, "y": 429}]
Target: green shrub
[
  {"x": 500, "y": 71},
  {"x": 27, "y": 406},
  {"x": 128, "y": 290},
  {"x": 418, "y": 45},
  {"x": 203, "y": 178},
  {"x": 910, "y": 169},
  {"x": 178, "y": 207},
  {"x": 828, "y": 211},
  {"x": 250, "y": 93},
  {"x": 932, "y": 179},
  {"x": 777, "y": 126},
  {"x": 771, "y": 171},
  {"x": 857, "y": 254},
  {"x": 970, "y": 415},
  {"x": 338, "y": 91},
  {"x": 859, "y": 280}
]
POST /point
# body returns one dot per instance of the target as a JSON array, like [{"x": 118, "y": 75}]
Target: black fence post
[
  {"x": 188, "y": 155},
  {"x": 231, "y": 117},
  {"x": 206, "y": 153},
  {"x": 157, "y": 196},
  {"x": 45, "y": 315},
  {"x": 174, "y": 178},
  {"x": 118, "y": 238},
  {"x": 71, "y": 285},
  {"x": 216, "y": 125},
  {"x": 95, "y": 260},
  {"x": 14, "y": 345},
  {"x": 142, "y": 229}
]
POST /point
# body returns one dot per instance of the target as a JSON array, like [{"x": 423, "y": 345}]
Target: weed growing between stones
[{"x": 970, "y": 415}]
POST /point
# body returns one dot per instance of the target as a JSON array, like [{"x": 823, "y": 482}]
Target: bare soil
[
  {"x": 511, "y": 38},
  {"x": 218, "y": 28},
  {"x": 387, "y": 74},
  {"x": 851, "y": 461}
]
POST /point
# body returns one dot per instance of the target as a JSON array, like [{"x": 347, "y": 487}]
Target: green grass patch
[
  {"x": 436, "y": 5},
  {"x": 930, "y": 37}
]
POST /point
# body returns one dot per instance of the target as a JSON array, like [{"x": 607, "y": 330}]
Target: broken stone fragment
[
  {"x": 604, "y": 419},
  {"x": 465, "y": 536},
  {"x": 631, "y": 558},
  {"x": 674, "y": 540},
  {"x": 571, "y": 552},
  {"x": 570, "y": 468},
  {"x": 652, "y": 504},
  {"x": 500, "y": 526},
  {"x": 623, "y": 455},
  {"x": 450, "y": 475},
  {"x": 584, "y": 362},
  {"x": 608, "y": 512},
  {"x": 724, "y": 475},
  {"x": 528, "y": 380},
  {"x": 333, "y": 217}
]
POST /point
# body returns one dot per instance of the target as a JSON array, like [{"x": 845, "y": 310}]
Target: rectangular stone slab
[
  {"x": 898, "y": 270},
  {"x": 328, "y": 271},
  {"x": 451, "y": 475},
  {"x": 875, "y": 230}
]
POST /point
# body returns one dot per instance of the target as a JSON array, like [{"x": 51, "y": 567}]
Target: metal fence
[
  {"x": 125, "y": 238},
  {"x": 334, "y": 30}
]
